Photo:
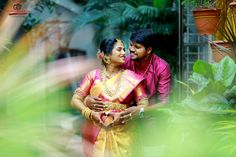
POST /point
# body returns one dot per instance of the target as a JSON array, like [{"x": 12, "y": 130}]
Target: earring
[{"x": 108, "y": 61}]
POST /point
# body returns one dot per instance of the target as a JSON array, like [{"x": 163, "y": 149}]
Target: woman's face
[{"x": 118, "y": 53}]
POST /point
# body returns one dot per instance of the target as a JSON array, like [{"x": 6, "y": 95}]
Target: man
[
  {"x": 154, "y": 69},
  {"x": 144, "y": 62}
]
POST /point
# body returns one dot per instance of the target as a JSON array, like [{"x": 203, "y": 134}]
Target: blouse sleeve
[
  {"x": 84, "y": 89},
  {"x": 140, "y": 95}
]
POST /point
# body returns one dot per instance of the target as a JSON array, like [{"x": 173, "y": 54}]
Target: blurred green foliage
[
  {"x": 202, "y": 124},
  {"x": 200, "y": 3},
  {"x": 31, "y": 103},
  {"x": 180, "y": 132}
]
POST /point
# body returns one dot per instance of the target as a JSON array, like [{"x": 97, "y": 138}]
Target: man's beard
[{"x": 133, "y": 56}]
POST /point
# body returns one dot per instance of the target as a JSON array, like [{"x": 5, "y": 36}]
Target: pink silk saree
[{"x": 123, "y": 88}]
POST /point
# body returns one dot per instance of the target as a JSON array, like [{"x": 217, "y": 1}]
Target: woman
[{"x": 118, "y": 89}]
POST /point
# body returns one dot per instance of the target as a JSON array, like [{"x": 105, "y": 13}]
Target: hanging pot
[
  {"x": 220, "y": 49},
  {"x": 207, "y": 20},
  {"x": 233, "y": 7}
]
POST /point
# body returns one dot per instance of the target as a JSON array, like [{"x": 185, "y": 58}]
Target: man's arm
[
  {"x": 94, "y": 103},
  {"x": 164, "y": 85},
  {"x": 132, "y": 112}
]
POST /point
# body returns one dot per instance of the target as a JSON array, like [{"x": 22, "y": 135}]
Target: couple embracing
[{"x": 111, "y": 97}]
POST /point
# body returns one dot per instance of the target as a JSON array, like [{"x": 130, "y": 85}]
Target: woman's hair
[
  {"x": 144, "y": 37},
  {"x": 107, "y": 45}
]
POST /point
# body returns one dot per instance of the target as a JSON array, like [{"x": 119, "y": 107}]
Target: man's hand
[
  {"x": 116, "y": 119},
  {"x": 123, "y": 117},
  {"x": 129, "y": 114},
  {"x": 94, "y": 103}
]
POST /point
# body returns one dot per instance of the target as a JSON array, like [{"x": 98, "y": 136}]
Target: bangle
[
  {"x": 85, "y": 101},
  {"x": 87, "y": 113},
  {"x": 141, "y": 112},
  {"x": 91, "y": 116}
]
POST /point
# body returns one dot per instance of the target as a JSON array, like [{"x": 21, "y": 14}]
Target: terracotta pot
[
  {"x": 233, "y": 7},
  {"x": 206, "y": 20},
  {"x": 220, "y": 49}
]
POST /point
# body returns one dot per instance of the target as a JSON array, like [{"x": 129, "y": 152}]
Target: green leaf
[
  {"x": 233, "y": 89},
  {"x": 89, "y": 17},
  {"x": 149, "y": 11},
  {"x": 212, "y": 103},
  {"x": 186, "y": 85},
  {"x": 224, "y": 71},
  {"x": 203, "y": 68},
  {"x": 199, "y": 80},
  {"x": 162, "y": 4},
  {"x": 129, "y": 11}
]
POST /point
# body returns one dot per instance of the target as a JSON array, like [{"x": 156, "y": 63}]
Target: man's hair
[{"x": 144, "y": 37}]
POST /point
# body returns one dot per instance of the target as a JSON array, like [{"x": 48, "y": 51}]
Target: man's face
[{"x": 137, "y": 51}]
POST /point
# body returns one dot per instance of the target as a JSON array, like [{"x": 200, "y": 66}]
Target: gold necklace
[
  {"x": 114, "y": 89},
  {"x": 106, "y": 75},
  {"x": 146, "y": 70}
]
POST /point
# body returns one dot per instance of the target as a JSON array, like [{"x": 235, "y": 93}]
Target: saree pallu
[{"x": 123, "y": 88}]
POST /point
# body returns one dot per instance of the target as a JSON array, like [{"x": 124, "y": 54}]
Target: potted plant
[
  {"x": 213, "y": 86},
  {"x": 233, "y": 7},
  {"x": 206, "y": 15},
  {"x": 213, "y": 102},
  {"x": 225, "y": 45},
  {"x": 220, "y": 49}
]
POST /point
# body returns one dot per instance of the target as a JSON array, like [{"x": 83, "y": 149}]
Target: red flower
[{"x": 99, "y": 55}]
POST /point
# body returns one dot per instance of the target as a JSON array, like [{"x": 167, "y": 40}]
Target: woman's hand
[
  {"x": 96, "y": 116},
  {"x": 94, "y": 103}
]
